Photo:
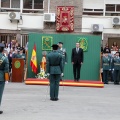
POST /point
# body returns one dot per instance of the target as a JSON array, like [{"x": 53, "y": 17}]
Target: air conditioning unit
[
  {"x": 116, "y": 20},
  {"x": 14, "y": 15},
  {"x": 97, "y": 28},
  {"x": 49, "y": 17}
]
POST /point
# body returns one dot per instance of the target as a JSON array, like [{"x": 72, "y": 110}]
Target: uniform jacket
[
  {"x": 116, "y": 62},
  {"x": 106, "y": 63},
  {"x": 54, "y": 63},
  {"x": 4, "y": 66},
  {"x": 77, "y": 57},
  {"x": 64, "y": 54}
]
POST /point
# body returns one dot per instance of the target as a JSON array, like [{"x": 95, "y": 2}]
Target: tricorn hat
[
  {"x": 60, "y": 43},
  {"x": 55, "y": 46}
]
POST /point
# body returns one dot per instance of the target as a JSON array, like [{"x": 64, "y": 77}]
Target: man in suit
[
  {"x": 54, "y": 71},
  {"x": 77, "y": 61},
  {"x": 4, "y": 71}
]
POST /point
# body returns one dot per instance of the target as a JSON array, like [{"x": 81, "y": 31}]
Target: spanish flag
[{"x": 33, "y": 62}]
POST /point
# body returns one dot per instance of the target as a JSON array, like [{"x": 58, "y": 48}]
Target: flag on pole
[{"x": 33, "y": 62}]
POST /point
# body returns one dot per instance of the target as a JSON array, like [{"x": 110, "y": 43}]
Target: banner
[
  {"x": 65, "y": 19},
  {"x": 47, "y": 42}
]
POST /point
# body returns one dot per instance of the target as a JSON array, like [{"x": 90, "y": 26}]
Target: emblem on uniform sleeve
[
  {"x": 83, "y": 43},
  {"x": 1, "y": 61}
]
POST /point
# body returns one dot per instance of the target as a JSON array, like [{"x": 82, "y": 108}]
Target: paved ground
[{"x": 27, "y": 102}]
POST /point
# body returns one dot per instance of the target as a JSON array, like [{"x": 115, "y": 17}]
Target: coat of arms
[{"x": 83, "y": 43}]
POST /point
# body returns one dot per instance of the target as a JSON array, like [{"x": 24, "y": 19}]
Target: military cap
[
  {"x": 60, "y": 43},
  {"x": 2, "y": 45},
  {"x": 55, "y": 46}
]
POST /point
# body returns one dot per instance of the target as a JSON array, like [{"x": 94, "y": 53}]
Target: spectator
[
  {"x": 107, "y": 49},
  {"x": 114, "y": 46},
  {"x": 10, "y": 59}
]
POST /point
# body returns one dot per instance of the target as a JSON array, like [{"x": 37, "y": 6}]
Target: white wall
[
  {"x": 93, "y": 4},
  {"x": 112, "y": 1},
  {"x": 29, "y": 21},
  {"x": 87, "y": 21}
]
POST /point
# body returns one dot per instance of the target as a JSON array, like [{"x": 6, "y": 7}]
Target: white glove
[
  {"x": 48, "y": 74},
  {"x": 109, "y": 69},
  {"x": 113, "y": 69},
  {"x": 62, "y": 74},
  {"x": 101, "y": 70},
  {"x": 6, "y": 82}
]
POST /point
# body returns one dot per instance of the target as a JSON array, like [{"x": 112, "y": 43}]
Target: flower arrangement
[{"x": 42, "y": 74}]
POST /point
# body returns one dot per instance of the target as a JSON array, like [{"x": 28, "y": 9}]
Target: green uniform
[
  {"x": 62, "y": 51},
  {"x": 21, "y": 56},
  {"x": 116, "y": 62},
  {"x": 54, "y": 68},
  {"x": 106, "y": 64},
  {"x": 4, "y": 68}
]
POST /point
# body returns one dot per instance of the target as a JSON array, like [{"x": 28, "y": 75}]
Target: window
[
  {"x": 32, "y": 4},
  {"x": 110, "y": 7},
  {"x": 112, "y": 10},
  {"x": 5, "y": 3},
  {"x": 15, "y": 3},
  {"x": 97, "y": 12},
  {"x": 118, "y": 8},
  {"x": 38, "y": 4},
  {"x": 29, "y": 6}
]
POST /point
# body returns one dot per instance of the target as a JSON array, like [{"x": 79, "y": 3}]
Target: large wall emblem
[
  {"x": 47, "y": 42},
  {"x": 83, "y": 43}
]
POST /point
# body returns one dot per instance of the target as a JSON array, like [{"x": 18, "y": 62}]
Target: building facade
[{"x": 86, "y": 14}]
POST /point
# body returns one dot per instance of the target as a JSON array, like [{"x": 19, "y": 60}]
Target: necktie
[{"x": 77, "y": 50}]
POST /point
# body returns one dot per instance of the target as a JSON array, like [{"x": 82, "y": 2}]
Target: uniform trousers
[
  {"x": 105, "y": 76},
  {"x": 116, "y": 76},
  {"x": 54, "y": 85},
  {"x": 2, "y": 85}
]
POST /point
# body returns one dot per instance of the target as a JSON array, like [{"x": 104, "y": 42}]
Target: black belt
[{"x": 54, "y": 65}]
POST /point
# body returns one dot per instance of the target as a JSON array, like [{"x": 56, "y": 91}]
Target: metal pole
[{"x": 48, "y": 6}]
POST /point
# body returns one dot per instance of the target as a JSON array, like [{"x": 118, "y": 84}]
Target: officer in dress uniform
[
  {"x": 62, "y": 51},
  {"x": 54, "y": 71},
  {"x": 106, "y": 62},
  {"x": 21, "y": 54},
  {"x": 116, "y": 62},
  {"x": 4, "y": 69}
]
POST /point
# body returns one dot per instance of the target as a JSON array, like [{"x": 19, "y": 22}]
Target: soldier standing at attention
[
  {"x": 62, "y": 51},
  {"x": 106, "y": 63},
  {"x": 4, "y": 69},
  {"x": 54, "y": 71},
  {"x": 116, "y": 62}
]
